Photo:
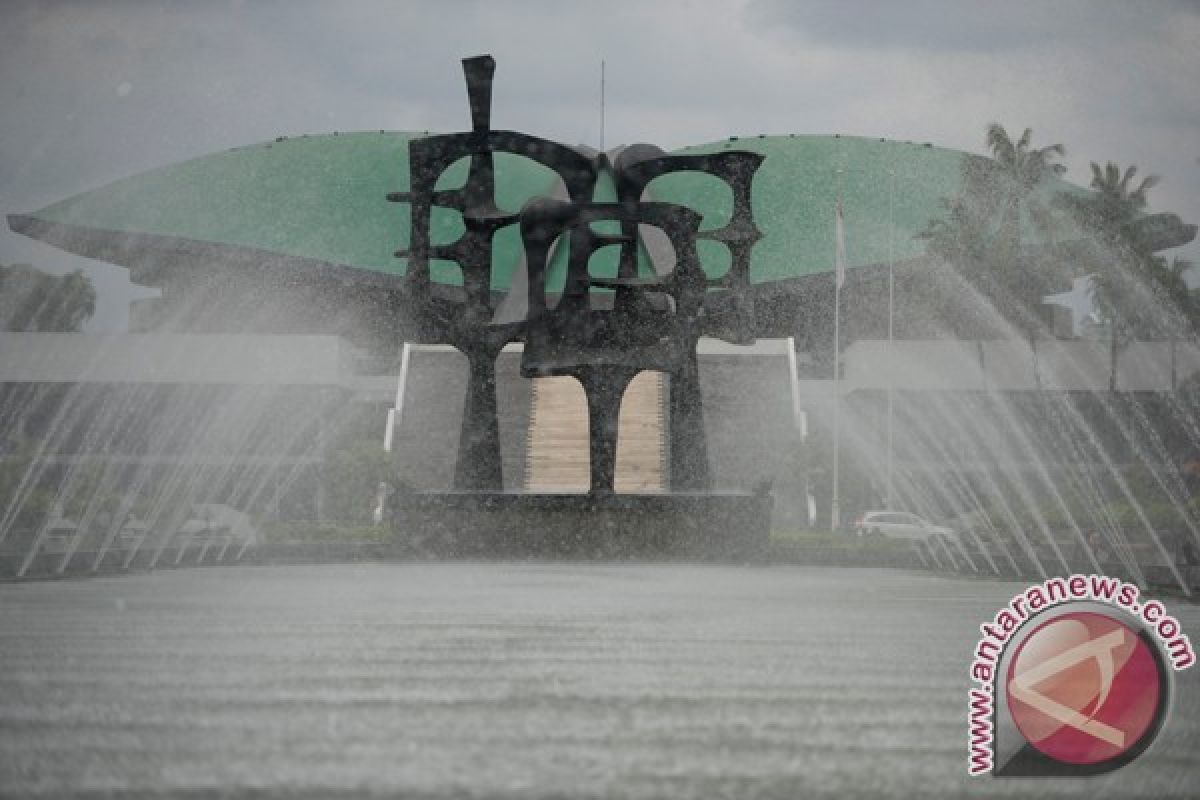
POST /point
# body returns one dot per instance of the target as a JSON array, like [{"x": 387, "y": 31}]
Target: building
[{"x": 295, "y": 236}]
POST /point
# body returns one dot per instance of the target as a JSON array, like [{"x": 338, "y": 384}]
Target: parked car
[{"x": 898, "y": 525}]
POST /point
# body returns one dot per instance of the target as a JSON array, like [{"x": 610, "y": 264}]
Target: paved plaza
[{"x": 515, "y": 680}]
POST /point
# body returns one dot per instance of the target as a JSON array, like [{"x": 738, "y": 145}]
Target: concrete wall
[
  {"x": 426, "y": 438},
  {"x": 751, "y": 438},
  {"x": 193, "y": 359},
  {"x": 1012, "y": 366}
]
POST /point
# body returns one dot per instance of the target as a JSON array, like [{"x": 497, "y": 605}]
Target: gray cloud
[
  {"x": 963, "y": 25},
  {"x": 93, "y": 91}
]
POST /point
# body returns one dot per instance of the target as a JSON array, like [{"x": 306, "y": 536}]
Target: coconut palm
[
  {"x": 1115, "y": 204},
  {"x": 1020, "y": 169},
  {"x": 981, "y": 234},
  {"x": 1139, "y": 293}
]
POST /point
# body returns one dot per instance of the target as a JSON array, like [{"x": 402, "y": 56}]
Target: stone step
[{"x": 557, "y": 444}]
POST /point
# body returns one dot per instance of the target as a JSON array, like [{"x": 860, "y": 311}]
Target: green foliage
[
  {"x": 12, "y": 470},
  {"x": 980, "y": 239},
  {"x": 276, "y": 531},
  {"x": 1141, "y": 294},
  {"x": 353, "y": 473},
  {"x": 818, "y": 538},
  {"x": 37, "y": 502},
  {"x": 90, "y": 488},
  {"x": 31, "y": 300},
  {"x": 1128, "y": 501}
]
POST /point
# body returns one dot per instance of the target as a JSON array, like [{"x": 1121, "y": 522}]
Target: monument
[{"x": 602, "y": 331}]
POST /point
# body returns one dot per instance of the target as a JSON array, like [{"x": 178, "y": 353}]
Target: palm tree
[
  {"x": 981, "y": 235},
  {"x": 1114, "y": 204},
  {"x": 1139, "y": 292},
  {"x": 1020, "y": 169}
]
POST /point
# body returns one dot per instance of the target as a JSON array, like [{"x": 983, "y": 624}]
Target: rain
[{"x": 301, "y": 494}]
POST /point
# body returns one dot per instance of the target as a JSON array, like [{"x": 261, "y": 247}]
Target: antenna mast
[{"x": 602, "y": 105}]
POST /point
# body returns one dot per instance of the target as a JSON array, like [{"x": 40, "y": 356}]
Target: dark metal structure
[{"x": 602, "y": 331}]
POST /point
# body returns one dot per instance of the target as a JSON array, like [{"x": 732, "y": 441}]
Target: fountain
[
  {"x": 154, "y": 448},
  {"x": 510, "y": 239},
  {"x": 1029, "y": 454}
]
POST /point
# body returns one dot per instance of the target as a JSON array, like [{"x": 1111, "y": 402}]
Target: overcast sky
[{"x": 92, "y": 91}]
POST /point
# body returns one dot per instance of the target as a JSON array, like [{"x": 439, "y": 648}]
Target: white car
[{"x": 898, "y": 525}]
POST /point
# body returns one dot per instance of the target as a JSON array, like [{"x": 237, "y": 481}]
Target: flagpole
[
  {"x": 602, "y": 105},
  {"x": 891, "y": 339},
  {"x": 839, "y": 276},
  {"x": 835, "y": 510}
]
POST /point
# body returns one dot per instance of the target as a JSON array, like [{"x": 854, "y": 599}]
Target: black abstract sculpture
[{"x": 602, "y": 338}]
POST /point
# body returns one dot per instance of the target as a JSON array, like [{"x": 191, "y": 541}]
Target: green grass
[
  {"x": 810, "y": 537},
  {"x": 325, "y": 532}
]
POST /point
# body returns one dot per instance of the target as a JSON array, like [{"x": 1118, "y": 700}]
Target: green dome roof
[{"x": 320, "y": 201}]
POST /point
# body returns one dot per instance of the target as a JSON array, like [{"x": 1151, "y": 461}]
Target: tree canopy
[
  {"x": 1096, "y": 233},
  {"x": 979, "y": 239},
  {"x": 1139, "y": 292},
  {"x": 34, "y": 301}
]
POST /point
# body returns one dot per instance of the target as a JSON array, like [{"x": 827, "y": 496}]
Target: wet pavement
[{"x": 516, "y": 680}]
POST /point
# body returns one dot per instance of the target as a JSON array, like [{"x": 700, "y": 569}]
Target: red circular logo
[{"x": 1084, "y": 688}]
